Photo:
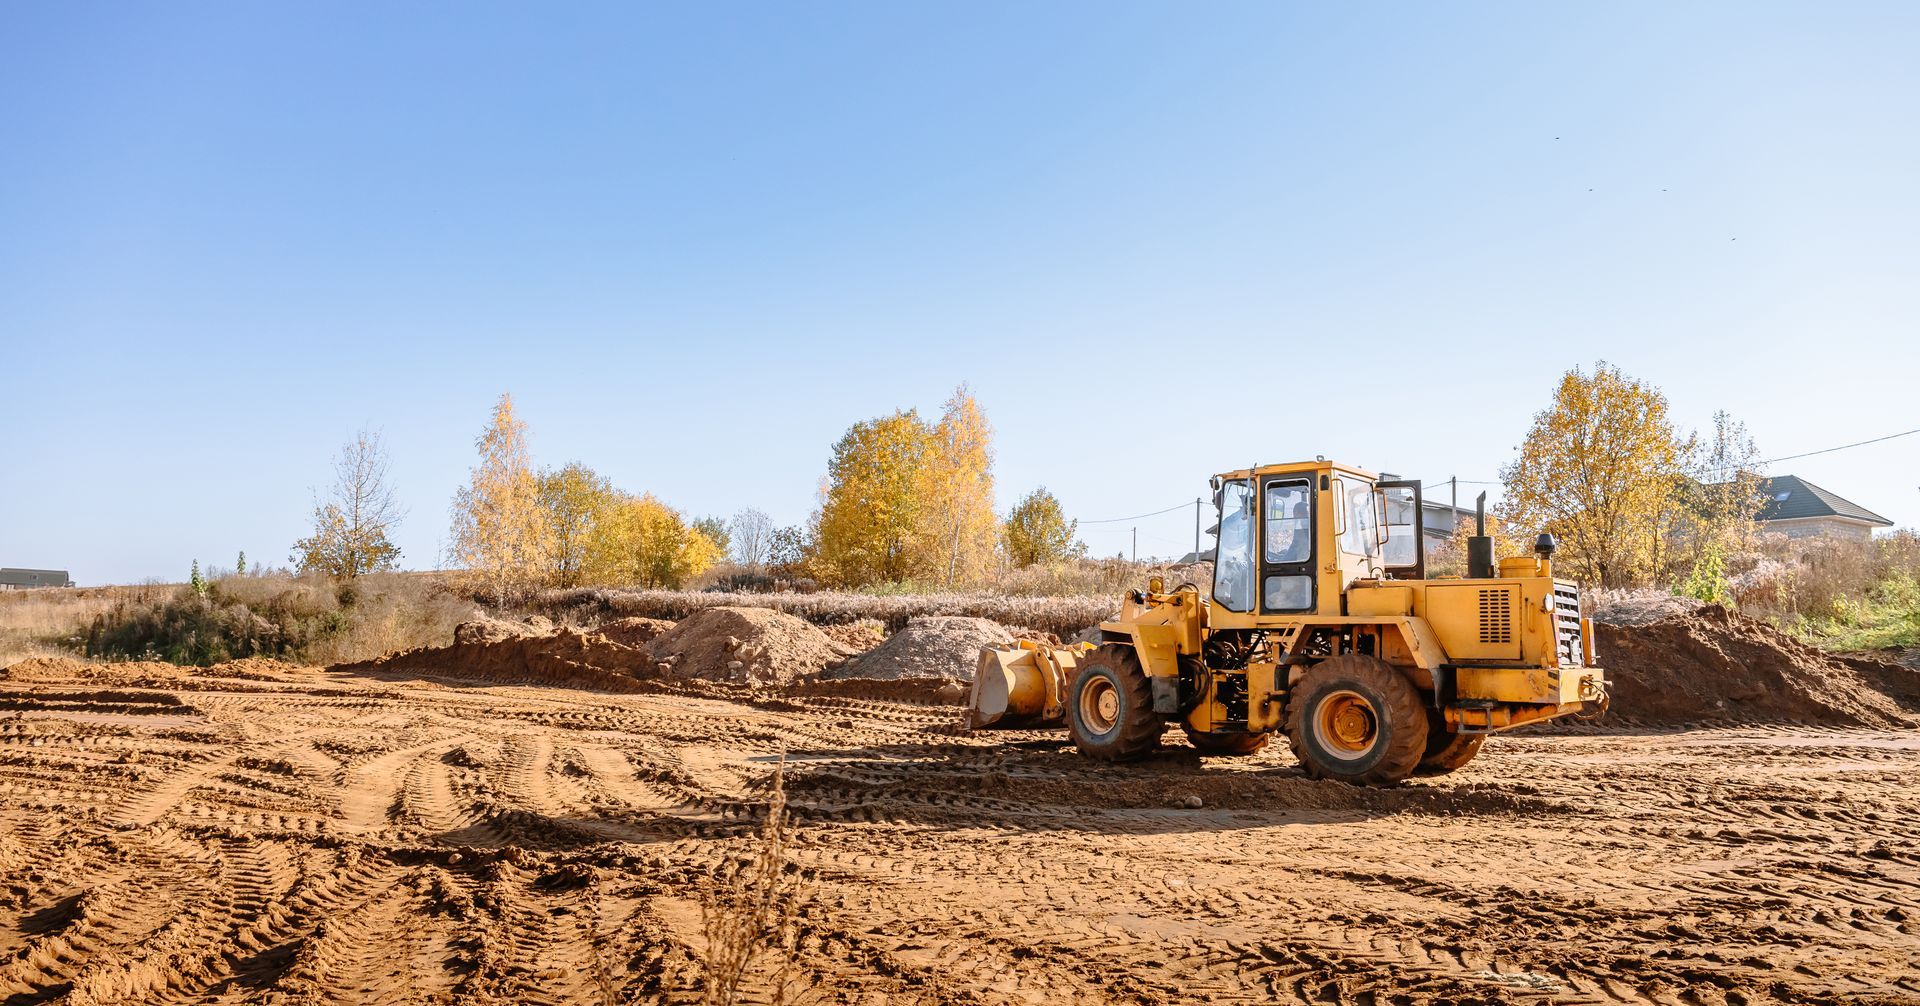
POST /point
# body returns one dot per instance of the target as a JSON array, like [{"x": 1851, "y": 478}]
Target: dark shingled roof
[{"x": 1790, "y": 497}]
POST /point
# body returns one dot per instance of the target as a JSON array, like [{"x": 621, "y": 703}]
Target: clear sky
[{"x": 697, "y": 241}]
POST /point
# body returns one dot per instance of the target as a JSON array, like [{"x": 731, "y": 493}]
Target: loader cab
[{"x": 1293, "y": 537}]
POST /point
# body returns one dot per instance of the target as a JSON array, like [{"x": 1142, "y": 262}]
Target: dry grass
[
  {"x": 303, "y": 618},
  {"x": 755, "y": 919},
  {"x": 1062, "y": 616}
]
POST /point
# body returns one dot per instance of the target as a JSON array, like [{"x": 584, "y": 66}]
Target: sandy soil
[{"x": 302, "y": 836}]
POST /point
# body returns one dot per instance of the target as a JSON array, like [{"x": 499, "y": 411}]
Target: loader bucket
[{"x": 1021, "y": 685}]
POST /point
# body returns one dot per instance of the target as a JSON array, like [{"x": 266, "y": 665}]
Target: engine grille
[
  {"x": 1496, "y": 616},
  {"x": 1566, "y": 624}
]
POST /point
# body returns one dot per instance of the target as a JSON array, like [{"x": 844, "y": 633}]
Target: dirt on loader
[
  {"x": 1710, "y": 665},
  {"x": 541, "y": 815}
]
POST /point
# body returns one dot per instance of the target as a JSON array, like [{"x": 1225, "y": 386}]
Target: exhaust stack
[{"x": 1480, "y": 546}]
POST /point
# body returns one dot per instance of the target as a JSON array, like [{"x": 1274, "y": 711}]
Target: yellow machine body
[{"x": 1489, "y": 653}]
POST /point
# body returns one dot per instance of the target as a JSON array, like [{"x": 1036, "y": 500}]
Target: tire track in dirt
[{"x": 324, "y": 842}]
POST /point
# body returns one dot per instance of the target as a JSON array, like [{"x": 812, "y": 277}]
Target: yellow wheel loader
[{"x": 1320, "y": 623}]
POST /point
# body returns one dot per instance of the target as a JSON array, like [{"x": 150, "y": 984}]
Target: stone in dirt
[
  {"x": 1714, "y": 665},
  {"x": 933, "y": 646},
  {"x": 746, "y": 645}
]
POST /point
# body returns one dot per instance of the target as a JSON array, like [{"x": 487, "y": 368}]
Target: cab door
[
  {"x": 1286, "y": 545},
  {"x": 1405, "y": 548}
]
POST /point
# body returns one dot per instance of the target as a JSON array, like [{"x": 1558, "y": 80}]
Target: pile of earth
[
  {"x": 1711, "y": 664},
  {"x": 757, "y": 646},
  {"x": 634, "y": 631},
  {"x": 565, "y": 656},
  {"x": 933, "y": 646},
  {"x": 499, "y": 630}
]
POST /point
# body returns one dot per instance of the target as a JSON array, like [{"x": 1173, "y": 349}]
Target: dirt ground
[{"x": 307, "y": 836}]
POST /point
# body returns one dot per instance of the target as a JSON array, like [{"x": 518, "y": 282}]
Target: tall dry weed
[{"x": 755, "y": 919}]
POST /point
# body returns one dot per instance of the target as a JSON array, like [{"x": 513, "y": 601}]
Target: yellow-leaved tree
[
  {"x": 640, "y": 540},
  {"x": 1603, "y": 470},
  {"x": 869, "y": 517},
  {"x": 573, "y": 500},
  {"x": 499, "y": 533},
  {"x": 1038, "y": 531},
  {"x": 956, "y": 531}
]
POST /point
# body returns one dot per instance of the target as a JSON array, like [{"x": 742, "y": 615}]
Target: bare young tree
[
  {"x": 752, "y": 533},
  {"x": 351, "y": 528}
]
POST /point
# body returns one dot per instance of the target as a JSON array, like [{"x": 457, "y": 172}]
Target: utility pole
[{"x": 1136, "y": 544}]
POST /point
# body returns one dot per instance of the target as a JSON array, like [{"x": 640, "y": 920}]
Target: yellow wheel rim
[
  {"x": 1099, "y": 705},
  {"x": 1346, "y": 725}
]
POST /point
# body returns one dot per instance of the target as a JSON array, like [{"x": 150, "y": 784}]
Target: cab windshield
[{"x": 1233, "y": 557}]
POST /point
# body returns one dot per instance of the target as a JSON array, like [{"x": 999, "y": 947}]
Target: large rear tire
[
  {"x": 1226, "y": 745},
  {"x": 1110, "y": 707},
  {"x": 1446, "y": 750},
  {"x": 1356, "y": 719}
]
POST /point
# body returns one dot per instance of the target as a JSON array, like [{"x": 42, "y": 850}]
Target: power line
[
  {"x": 1116, "y": 520},
  {"x": 1754, "y": 464},
  {"x": 1825, "y": 450}
]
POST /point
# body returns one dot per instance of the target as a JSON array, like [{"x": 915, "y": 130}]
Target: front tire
[
  {"x": 1226, "y": 745},
  {"x": 1110, "y": 707},
  {"x": 1356, "y": 719}
]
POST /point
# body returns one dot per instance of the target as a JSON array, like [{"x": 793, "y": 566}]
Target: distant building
[
  {"x": 21, "y": 579},
  {"x": 1800, "y": 509}
]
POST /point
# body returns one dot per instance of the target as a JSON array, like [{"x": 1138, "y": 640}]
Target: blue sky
[{"x": 696, "y": 242}]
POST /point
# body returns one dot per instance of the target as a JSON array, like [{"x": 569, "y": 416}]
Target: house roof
[
  {"x": 13, "y": 577},
  {"x": 1790, "y": 497}
]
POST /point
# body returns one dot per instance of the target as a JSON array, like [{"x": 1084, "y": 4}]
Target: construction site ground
[{"x": 302, "y": 835}]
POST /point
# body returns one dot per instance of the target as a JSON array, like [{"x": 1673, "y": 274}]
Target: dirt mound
[
  {"x": 635, "y": 631},
  {"x": 749, "y": 645},
  {"x": 1638, "y": 607},
  {"x": 568, "y": 658},
  {"x": 1714, "y": 665},
  {"x": 497, "y": 630},
  {"x": 935, "y": 646},
  {"x": 861, "y": 636}
]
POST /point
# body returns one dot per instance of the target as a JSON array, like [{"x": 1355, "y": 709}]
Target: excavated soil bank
[
  {"x": 935, "y": 646},
  {"x": 745, "y": 645},
  {"x": 1712, "y": 665},
  {"x": 567, "y": 657},
  {"x": 634, "y": 631}
]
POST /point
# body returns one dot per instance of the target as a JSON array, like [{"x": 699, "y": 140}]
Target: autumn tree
[
  {"x": 869, "y": 517},
  {"x": 956, "y": 530},
  {"x": 1723, "y": 497},
  {"x": 1602, "y": 469},
  {"x": 790, "y": 552},
  {"x": 750, "y": 533},
  {"x": 715, "y": 528},
  {"x": 640, "y": 540},
  {"x": 573, "y": 499},
  {"x": 1038, "y": 531},
  {"x": 351, "y": 527},
  {"x": 500, "y": 533}
]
